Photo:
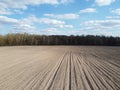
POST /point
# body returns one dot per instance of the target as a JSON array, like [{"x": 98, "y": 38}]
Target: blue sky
[{"x": 56, "y": 17}]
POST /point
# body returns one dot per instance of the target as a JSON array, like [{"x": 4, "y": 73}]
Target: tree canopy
[{"x": 28, "y": 39}]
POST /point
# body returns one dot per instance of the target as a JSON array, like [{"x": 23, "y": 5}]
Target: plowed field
[{"x": 60, "y": 68}]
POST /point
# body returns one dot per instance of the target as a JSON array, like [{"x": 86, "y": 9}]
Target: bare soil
[{"x": 59, "y": 68}]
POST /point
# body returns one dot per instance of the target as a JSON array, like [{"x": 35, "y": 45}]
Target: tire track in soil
[{"x": 47, "y": 83}]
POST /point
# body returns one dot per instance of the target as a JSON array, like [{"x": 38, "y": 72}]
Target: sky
[{"x": 60, "y": 17}]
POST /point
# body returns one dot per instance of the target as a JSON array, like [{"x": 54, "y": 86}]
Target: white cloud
[
  {"x": 22, "y": 4},
  {"x": 16, "y": 25},
  {"x": 6, "y": 20},
  {"x": 68, "y": 26},
  {"x": 16, "y": 11},
  {"x": 103, "y": 23},
  {"x": 49, "y": 31},
  {"x": 4, "y": 11},
  {"x": 63, "y": 16},
  {"x": 116, "y": 11},
  {"x": 103, "y": 2},
  {"x": 113, "y": 17},
  {"x": 52, "y": 22},
  {"x": 8, "y": 6},
  {"x": 101, "y": 27},
  {"x": 88, "y": 10},
  {"x": 23, "y": 27},
  {"x": 28, "y": 24}
]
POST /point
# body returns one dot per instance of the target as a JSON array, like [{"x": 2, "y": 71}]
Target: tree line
[{"x": 28, "y": 39}]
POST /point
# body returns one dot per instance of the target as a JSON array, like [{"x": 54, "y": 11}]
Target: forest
[{"x": 31, "y": 39}]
